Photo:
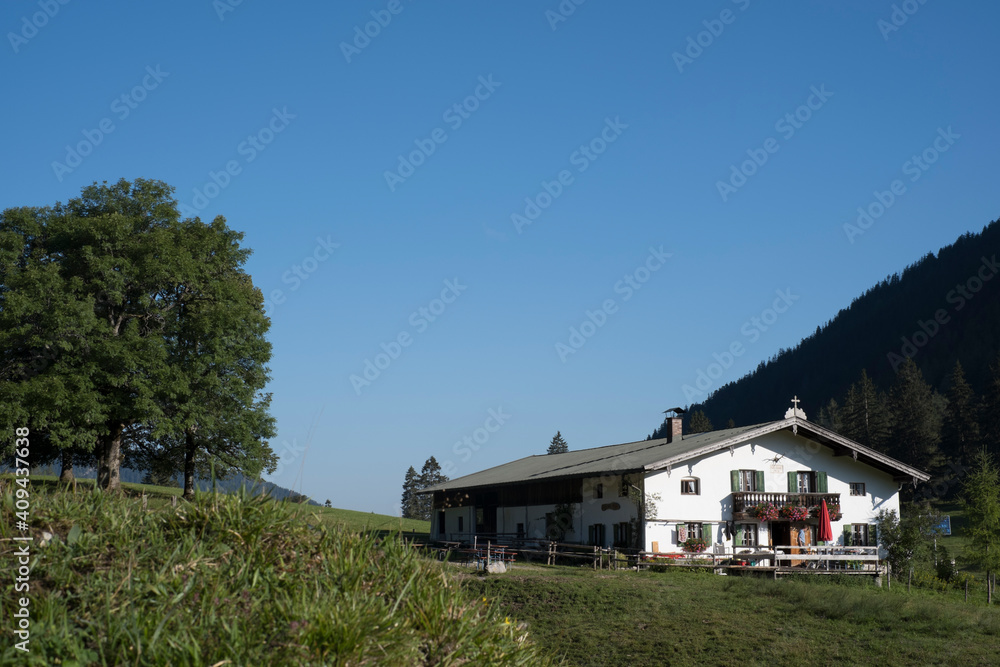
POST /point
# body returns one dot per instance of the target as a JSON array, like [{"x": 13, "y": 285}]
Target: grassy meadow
[
  {"x": 684, "y": 617},
  {"x": 231, "y": 579}
]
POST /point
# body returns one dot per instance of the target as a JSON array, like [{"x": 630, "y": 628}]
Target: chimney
[
  {"x": 673, "y": 422},
  {"x": 675, "y": 428}
]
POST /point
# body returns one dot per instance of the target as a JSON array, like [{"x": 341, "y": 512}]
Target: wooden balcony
[{"x": 744, "y": 501}]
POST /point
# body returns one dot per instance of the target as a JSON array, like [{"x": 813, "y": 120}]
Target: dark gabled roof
[{"x": 649, "y": 455}]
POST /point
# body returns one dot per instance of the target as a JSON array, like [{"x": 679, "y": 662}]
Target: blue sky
[{"x": 726, "y": 144}]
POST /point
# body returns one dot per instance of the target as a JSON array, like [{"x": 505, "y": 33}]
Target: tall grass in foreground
[{"x": 240, "y": 579}]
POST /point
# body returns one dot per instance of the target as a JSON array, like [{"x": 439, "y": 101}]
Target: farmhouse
[{"x": 751, "y": 487}]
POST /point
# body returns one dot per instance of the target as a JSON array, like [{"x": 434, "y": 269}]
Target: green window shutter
[
  {"x": 734, "y": 479},
  {"x": 821, "y": 482},
  {"x": 706, "y": 533},
  {"x": 847, "y": 535},
  {"x": 739, "y": 534},
  {"x": 793, "y": 482},
  {"x": 759, "y": 474},
  {"x": 872, "y": 535}
]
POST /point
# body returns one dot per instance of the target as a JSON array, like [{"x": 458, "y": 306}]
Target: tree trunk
[
  {"x": 109, "y": 459},
  {"x": 66, "y": 476},
  {"x": 189, "y": 452}
]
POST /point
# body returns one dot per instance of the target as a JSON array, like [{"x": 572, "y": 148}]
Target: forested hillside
[{"x": 942, "y": 310}]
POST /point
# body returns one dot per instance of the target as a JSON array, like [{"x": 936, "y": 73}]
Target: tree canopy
[{"x": 125, "y": 330}]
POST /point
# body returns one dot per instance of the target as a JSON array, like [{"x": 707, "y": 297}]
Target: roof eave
[{"x": 795, "y": 423}]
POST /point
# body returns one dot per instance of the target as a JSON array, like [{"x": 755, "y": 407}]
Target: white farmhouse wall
[
  {"x": 794, "y": 453},
  {"x": 451, "y": 529}
]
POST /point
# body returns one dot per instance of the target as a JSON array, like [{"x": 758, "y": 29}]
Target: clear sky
[{"x": 469, "y": 180}]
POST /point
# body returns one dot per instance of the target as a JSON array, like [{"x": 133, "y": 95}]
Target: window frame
[
  {"x": 747, "y": 529},
  {"x": 694, "y": 530},
  {"x": 809, "y": 477},
  {"x": 599, "y": 490},
  {"x": 859, "y": 486},
  {"x": 748, "y": 476},
  {"x": 696, "y": 482}
]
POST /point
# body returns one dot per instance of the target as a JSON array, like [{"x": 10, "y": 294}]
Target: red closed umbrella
[{"x": 825, "y": 529}]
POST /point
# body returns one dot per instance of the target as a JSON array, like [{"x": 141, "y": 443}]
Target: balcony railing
[{"x": 745, "y": 501}]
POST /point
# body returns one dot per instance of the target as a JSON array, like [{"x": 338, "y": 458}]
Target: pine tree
[
  {"x": 865, "y": 417},
  {"x": 327, "y": 503},
  {"x": 916, "y": 429},
  {"x": 991, "y": 411},
  {"x": 731, "y": 423},
  {"x": 700, "y": 423},
  {"x": 408, "y": 501},
  {"x": 981, "y": 498},
  {"x": 830, "y": 416},
  {"x": 960, "y": 430},
  {"x": 430, "y": 475},
  {"x": 558, "y": 445}
]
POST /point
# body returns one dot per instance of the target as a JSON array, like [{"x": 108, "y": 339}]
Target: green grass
[
  {"x": 365, "y": 521},
  {"x": 230, "y": 579},
  {"x": 682, "y": 617}
]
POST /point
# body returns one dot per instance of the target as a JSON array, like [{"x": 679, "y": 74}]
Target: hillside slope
[{"x": 944, "y": 307}]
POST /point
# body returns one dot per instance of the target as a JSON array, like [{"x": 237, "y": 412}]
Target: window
[
  {"x": 595, "y": 533},
  {"x": 460, "y": 522},
  {"x": 623, "y": 490},
  {"x": 857, "y": 488},
  {"x": 746, "y": 534},
  {"x": 622, "y": 533},
  {"x": 860, "y": 535},
  {"x": 520, "y": 530},
  {"x": 693, "y": 530},
  {"x": 806, "y": 482},
  {"x": 748, "y": 480},
  {"x": 441, "y": 523},
  {"x": 690, "y": 486},
  {"x": 599, "y": 491}
]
